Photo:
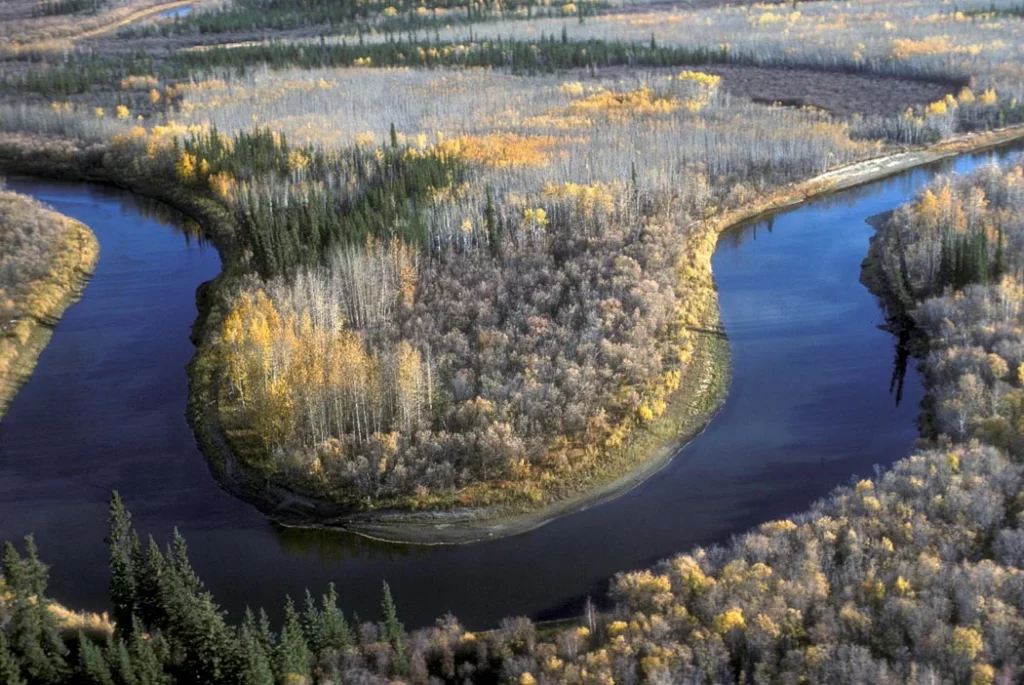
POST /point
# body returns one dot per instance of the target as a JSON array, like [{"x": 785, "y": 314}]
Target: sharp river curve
[{"x": 809, "y": 408}]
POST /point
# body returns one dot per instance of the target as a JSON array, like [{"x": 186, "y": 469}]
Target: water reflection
[
  {"x": 181, "y": 223},
  {"x": 900, "y": 360},
  {"x": 741, "y": 233},
  {"x": 329, "y": 546}
]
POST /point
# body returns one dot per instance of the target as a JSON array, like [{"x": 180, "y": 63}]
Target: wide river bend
[{"x": 810, "y": 407}]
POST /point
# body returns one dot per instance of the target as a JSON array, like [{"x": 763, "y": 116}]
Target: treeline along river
[{"x": 810, "y": 406}]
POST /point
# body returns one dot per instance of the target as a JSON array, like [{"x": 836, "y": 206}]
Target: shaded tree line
[
  {"x": 167, "y": 628},
  {"x": 345, "y": 16},
  {"x": 294, "y": 205},
  {"x": 915, "y": 576},
  {"x": 966, "y": 259},
  {"x": 83, "y": 71},
  {"x": 50, "y": 8},
  {"x": 546, "y": 55}
]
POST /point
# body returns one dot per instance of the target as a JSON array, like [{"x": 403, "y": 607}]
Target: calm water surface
[
  {"x": 175, "y": 13},
  {"x": 810, "y": 407}
]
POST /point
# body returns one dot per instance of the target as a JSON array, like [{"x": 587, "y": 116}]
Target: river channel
[{"x": 811, "y": 405}]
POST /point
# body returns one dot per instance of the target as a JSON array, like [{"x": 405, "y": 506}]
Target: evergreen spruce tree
[
  {"x": 1000, "y": 261},
  {"x": 981, "y": 258},
  {"x": 92, "y": 665},
  {"x": 182, "y": 566},
  {"x": 147, "y": 666},
  {"x": 147, "y": 587},
  {"x": 207, "y": 642},
  {"x": 35, "y": 572},
  {"x": 394, "y": 631},
  {"x": 312, "y": 624},
  {"x": 959, "y": 265},
  {"x": 945, "y": 276},
  {"x": 491, "y": 220},
  {"x": 293, "y": 653},
  {"x": 138, "y": 562},
  {"x": 334, "y": 629},
  {"x": 195, "y": 627},
  {"x": 14, "y": 572},
  {"x": 255, "y": 664},
  {"x": 265, "y": 634},
  {"x": 10, "y": 672},
  {"x": 122, "y": 661},
  {"x": 32, "y": 631},
  {"x": 122, "y": 576}
]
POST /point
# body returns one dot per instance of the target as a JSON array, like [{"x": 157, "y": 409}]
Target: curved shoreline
[
  {"x": 82, "y": 249},
  {"x": 685, "y": 418},
  {"x": 688, "y": 417},
  {"x": 121, "y": 17}
]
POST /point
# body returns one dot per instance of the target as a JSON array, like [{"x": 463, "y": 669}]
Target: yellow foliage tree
[
  {"x": 728, "y": 621},
  {"x": 186, "y": 167}
]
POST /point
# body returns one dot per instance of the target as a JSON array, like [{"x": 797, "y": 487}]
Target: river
[{"x": 810, "y": 407}]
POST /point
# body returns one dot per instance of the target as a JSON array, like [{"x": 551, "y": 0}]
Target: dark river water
[{"x": 810, "y": 407}]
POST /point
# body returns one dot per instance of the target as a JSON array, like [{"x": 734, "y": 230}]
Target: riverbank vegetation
[
  {"x": 387, "y": 382},
  {"x": 915, "y": 576},
  {"x": 958, "y": 249},
  {"x": 44, "y": 259}
]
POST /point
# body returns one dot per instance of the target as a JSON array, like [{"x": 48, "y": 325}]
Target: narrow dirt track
[{"x": 132, "y": 18}]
